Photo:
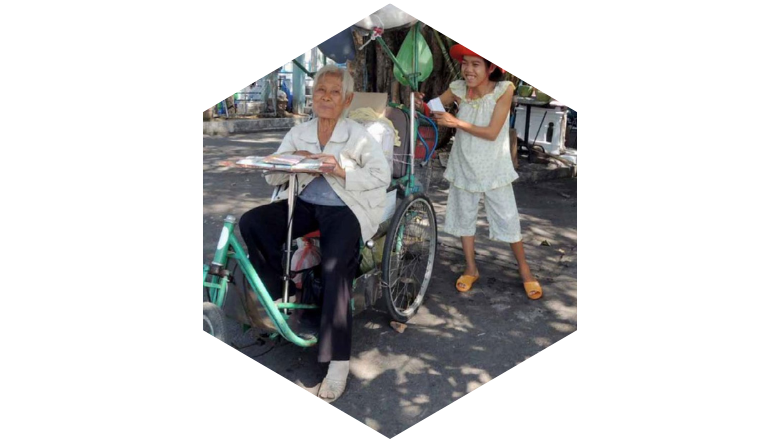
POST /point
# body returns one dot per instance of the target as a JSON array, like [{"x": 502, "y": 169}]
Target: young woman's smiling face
[{"x": 474, "y": 70}]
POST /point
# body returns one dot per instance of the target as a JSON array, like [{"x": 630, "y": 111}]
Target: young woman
[{"x": 480, "y": 163}]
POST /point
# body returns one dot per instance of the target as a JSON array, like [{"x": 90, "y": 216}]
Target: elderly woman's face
[{"x": 327, "y": 101}]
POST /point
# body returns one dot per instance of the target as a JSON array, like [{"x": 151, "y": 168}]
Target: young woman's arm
[
  {"x": 447, "y": 98},
  {"x": 490, "y": 132}
]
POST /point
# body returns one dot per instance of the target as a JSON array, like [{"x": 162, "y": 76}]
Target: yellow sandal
[
  {"x": 533, "y": 290},
  {"x": 466, "y": 280}
]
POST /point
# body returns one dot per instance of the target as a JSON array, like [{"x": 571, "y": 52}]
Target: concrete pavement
[{"x": 458, "y": 341}]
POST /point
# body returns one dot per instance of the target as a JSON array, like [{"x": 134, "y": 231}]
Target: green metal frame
[
  {"x": 300, "y": 66},
  {"x": 229, "y": 247}
]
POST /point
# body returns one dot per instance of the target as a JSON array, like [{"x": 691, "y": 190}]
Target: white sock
[{"x": 338, "y": 370}]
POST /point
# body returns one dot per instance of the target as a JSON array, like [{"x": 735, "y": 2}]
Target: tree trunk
[
  {"x": 439, "y": 81},
  {"x": 357, "y": 67}
]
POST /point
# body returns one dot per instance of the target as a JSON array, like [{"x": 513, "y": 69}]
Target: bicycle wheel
[
  {"x": 214, "y": 321},
  {"x": 409, "y": 253}
]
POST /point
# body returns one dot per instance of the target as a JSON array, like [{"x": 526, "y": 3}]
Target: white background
[{"x": 102, "y": 180}]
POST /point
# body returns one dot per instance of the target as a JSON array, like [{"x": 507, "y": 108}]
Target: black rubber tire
[
  {"x": 214, "y": 321},
  {"x": 420, "y": 203}
]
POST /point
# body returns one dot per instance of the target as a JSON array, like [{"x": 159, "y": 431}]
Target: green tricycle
[{"x": 395, "y": 265}]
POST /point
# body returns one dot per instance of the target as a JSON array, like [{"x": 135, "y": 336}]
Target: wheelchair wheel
[
  {"x": 409, "y": 253},
  {"x": 214, "y": 321}
]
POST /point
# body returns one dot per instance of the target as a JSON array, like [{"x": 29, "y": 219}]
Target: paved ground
[{"x": 456, "y": 342}]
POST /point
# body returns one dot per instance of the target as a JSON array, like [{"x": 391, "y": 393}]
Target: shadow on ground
[{"x": 458, "y": 341}]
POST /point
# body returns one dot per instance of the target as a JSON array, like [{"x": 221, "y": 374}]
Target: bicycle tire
[{"x": 408, "y": 257}]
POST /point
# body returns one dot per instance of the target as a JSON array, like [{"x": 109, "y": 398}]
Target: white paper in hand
[{"x": 436, "y": 105}]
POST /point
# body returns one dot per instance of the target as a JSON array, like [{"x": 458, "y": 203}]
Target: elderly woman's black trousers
[{"x": 264, "y": 230}]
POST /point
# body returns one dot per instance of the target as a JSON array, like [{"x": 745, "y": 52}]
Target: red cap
[{"x": 457, "y": 52}]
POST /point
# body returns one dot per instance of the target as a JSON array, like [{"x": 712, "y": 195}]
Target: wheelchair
[{"x": 395, "y": 265}]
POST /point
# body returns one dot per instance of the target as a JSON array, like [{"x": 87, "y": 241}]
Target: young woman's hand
[
  {"x": 302, "y": 153},
  {"x": 446, "y": 119},
  {"x": 338, "y": 171}
]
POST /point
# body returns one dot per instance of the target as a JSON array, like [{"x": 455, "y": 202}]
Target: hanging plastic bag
[
  {"x": 307, "y": 256},
  {"x": 406, "y": 57}
]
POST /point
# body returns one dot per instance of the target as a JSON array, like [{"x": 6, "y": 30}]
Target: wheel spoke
[{"x": 408, "y": 269}]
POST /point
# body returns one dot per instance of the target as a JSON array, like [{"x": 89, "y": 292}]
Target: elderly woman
[{"x": 345, "y": 205}]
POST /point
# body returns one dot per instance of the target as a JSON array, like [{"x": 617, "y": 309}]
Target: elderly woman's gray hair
[{"x": 347, "y": 83}]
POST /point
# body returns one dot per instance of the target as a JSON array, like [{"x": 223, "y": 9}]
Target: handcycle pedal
[{"x": 304, "y": 324}]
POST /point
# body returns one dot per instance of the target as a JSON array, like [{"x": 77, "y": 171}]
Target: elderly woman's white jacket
[{"x": 367, "y": 172}]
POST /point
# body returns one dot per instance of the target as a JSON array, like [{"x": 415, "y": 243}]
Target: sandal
[
  {"x": 331, "y": 387},
  {"x": 533, "y": 290},
  {"x": 466, "y": 280}
]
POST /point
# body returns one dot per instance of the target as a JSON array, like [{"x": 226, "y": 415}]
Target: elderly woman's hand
[
  {"x": 338, "y": 171},
  {"x": 302, "y": 153}
]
